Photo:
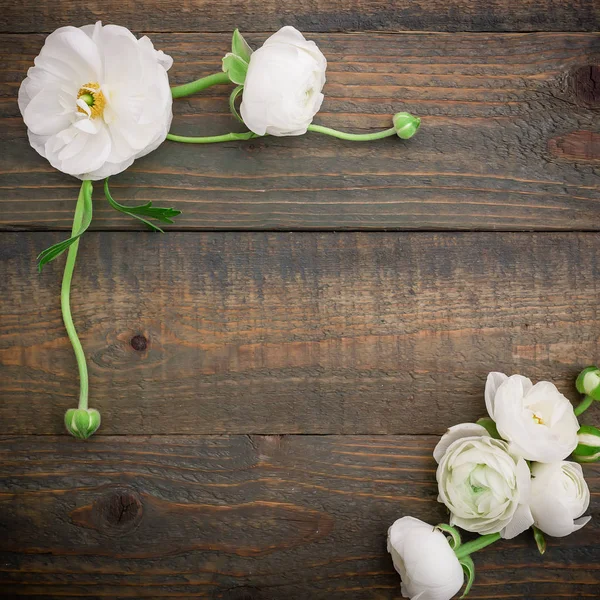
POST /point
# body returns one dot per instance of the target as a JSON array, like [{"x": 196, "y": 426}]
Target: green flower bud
[
  {"x": 588, "y": 448},
  {"x": 81, "y": 422},
  {"x": 406, "y": 125},
  {"x": 588, "y": 382}
]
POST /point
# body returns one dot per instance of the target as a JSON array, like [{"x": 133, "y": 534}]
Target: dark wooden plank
[
  {"x": 325, "y": 15},
  {"x": 509, "y": 141},
  {"x": 293, "y": 333},
  {"x": 244, "y": 518}
]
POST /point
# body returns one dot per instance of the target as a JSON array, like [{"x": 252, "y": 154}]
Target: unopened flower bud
[
  {"x": 588, "y": 382},
  {"x": 588, "y": 448},
  {"x": 406, "y": 125},
  {"x": 82, "y": 422}
]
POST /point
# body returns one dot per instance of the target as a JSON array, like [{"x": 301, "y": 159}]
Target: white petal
[
  {"x": 71, "y": 47},
  {"x": 582, "y": 522},
  {"x": 78, "y": 152},
  {"x": 45, "y": 115},
  {"x": 522, "y": 520},
  {"x": 493, "y": 382},
  {"x": 457, "y": 432}
]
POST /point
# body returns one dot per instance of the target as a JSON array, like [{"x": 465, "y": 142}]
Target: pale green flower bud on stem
[
  {"x": 82, "y": 423},
  {"x": 406, "y": 125}
]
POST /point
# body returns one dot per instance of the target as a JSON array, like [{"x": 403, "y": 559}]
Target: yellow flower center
[
  {"x": 92, "y": 95},
  {"x": 538, "y": 419}
]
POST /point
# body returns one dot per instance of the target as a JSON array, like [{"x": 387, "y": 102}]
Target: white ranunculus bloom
[
  {"x": 424, "y": 559},
  {"x": 537, "y": 420},
  {"x": 96, "y": 99},
  {"x": 483, "y": 483},
  {"x": 282, "y": 91},
  {"x": 559, "y": 496}
]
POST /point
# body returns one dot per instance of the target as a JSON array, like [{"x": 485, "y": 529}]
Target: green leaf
[
  {"x": 454, "y": 540},
  {"x": 240, "y": 47},
  {"x": 540, "y": 540},
  {"x": 490, "y": 427},
  {"x": 235, "y": 67},
  {"x": 469, "y": 568},
  {"x": 49, "y": 254},
  {"x": 164, "y": 215},
  {"x": 232, "y": 98}
]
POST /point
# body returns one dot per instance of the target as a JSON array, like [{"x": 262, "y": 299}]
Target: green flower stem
[
  {"x": 187, "y": 89},
  {"x": 583, "y": 405},
  {"x": 478, "y": 544},
  {"x": 231, "y": 137},
  {"x": 65, "y": 297},
  {"x": 213, "y": 139},
  {"x": 353, "y": 137}
]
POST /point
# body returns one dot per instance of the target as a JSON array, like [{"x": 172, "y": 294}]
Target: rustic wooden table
[{"x": 273, "y": 372}]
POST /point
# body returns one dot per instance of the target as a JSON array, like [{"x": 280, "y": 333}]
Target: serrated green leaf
[
  {"x": 469, "y": 569},
  {"x": 540, "y": 540},
  {"x": 240, "y": 47},
  {"x": 49, "y": 254},
  {"x": 232, "y": 98},
  {"x": 164, "y": 215},
  {"x": 235, "y": 67}
]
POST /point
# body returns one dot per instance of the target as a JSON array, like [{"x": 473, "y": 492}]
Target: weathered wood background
[{"x": 270, "y": 399}]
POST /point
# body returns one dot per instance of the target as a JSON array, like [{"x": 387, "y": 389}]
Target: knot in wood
[
  {"x": 139, "y": 343},
  {"x": 585, "y": 85},
  {"x": 118, "y": 511}
]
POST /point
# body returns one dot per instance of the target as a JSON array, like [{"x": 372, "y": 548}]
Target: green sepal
[
  {"x": 235, "y": 67},
  {"x": 51, "y": 253},
  {"x": 588, "y": 382},
  {"x": 454, "y": 539},
  {"x": 490, "y": 427},
  {"x": 540, "y": 540},
  {"x": 232, "y": 98},
  {"x": 240, "y": 47},
  {"x": 82, "y": 422},
  {"x": 468, "y": 567},
  {"x": 587, "y": 452},
  {"x": 164, "y": 215}
]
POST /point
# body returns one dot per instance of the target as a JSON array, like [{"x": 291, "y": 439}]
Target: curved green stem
[
  {"x": 65, "y": 296},
  {"x": 583, "y": 405},
  {"x": 187, "y": 89},
  {"x": 352, "y": 137},
  {"x": 213, "y": 139},
  {"x": 475, "y": 545}
]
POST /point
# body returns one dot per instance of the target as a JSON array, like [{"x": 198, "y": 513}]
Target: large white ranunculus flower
[
  {"x": 96, "y": 99},
  {"x": 482, "y": 482},
  {"x": 559, "y": 496},
  {"x": 537, "y": 420},
  {"x": 424, "y": 559},
  {"x": 282, "y": 90}
]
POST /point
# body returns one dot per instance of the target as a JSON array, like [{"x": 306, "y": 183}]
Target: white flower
[
  {"x": 96, "y": 99},
  {"x": 482, "y": 482},
  {"x": 537, "y": 420},
  {"x": 424, "y": 559},
  {"x": 282, "y": 90},
  {"x": 559, "y": 496}
]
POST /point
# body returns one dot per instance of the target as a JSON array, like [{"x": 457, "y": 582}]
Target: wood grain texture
[
  {"x": 508, "y": 141},
  {"x": 244, "y": 518},
  {"x": 293, "y": 333},
  {"x": 324, "y": 15}
]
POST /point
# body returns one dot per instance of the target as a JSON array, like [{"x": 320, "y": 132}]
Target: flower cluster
[
  {"x": 499, "y": 477},
  {"x": 98, "y": 98}
]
